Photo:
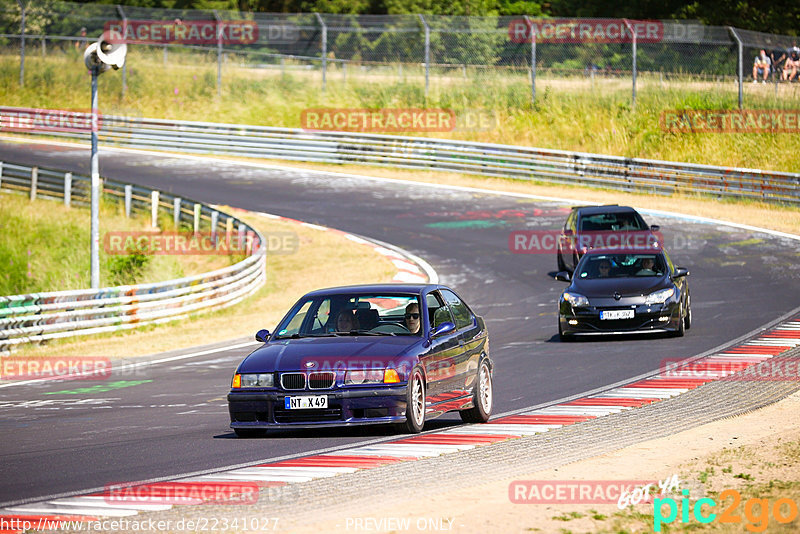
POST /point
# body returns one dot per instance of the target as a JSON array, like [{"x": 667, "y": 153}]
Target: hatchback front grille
[
  {"x": 321, "y": 380},
  {"x": 293, "y": 381}
]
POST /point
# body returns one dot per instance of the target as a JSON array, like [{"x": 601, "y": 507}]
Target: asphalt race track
[{"x": 171, "y": 418}]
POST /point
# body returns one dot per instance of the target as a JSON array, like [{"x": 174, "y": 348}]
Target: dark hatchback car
[
  {"x": 388, "y": 353},
  {"x": 609, "y": 226},
  {"x": 624, "y": 292}
]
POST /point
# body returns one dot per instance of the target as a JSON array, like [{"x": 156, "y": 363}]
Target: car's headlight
[
  {"x": 659, "y": 297},
  {"x": 371, "y": 376},
  {"x": 575, "y": 299},
  {"x": 253, "y": 380}
]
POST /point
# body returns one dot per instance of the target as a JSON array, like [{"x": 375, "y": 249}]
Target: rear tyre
[
  {"x": 483, "y": 398},
  {"x": 249, "y": 432},
  {"x": 415, "y": 403},
  {"x": 560, "y": 261}
]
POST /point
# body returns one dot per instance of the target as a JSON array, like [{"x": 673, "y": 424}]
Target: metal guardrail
[
  {"x": 38, "y": 317},
  {"x": 507, "y": 161}
]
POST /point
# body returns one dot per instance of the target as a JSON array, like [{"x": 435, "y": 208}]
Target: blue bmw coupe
[{"x": 371, "y": 354}]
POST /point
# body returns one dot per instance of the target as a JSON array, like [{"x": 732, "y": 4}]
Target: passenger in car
[
  {"x": 604, "y": 269},
  {"x": 412, "y": 318},
  {"x": 647, "y": 267},
  {"x": 346, "y": 321}
]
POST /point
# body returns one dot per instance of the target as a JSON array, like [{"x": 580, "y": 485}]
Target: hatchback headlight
[
  {"x": 253, "y": 380},
  {"x": 659, "y": 297},
  {"x": 575, "y": 299}
]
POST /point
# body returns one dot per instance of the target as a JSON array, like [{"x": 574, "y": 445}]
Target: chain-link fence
[{"x": 424, "y": 52}]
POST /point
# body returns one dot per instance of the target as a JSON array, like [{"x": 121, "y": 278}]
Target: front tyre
[
  {"x": 483, "y": 398},
  {"x": 415, "y": 403}
]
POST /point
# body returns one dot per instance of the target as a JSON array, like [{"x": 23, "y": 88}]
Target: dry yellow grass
[{"x": 323, "y": 259}]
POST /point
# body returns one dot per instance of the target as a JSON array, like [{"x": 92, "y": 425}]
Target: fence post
[
  {"x": 324, "y": 47},
  {"x": 1, "y": 176},
  {"x": 128, "y": 198},
  {"x": 176, "y": 212},
  {"x": 344, "y": 72},
  {"x": 154, "y": 209},
  {"x": 124, "y": 36},
  {"x": 34, "y": 181},
  {"x": 427, "y": 52},
  {"x": 68, "y": 189},
  {"x": 633, "y": 62},
  {"x": 214, "y": 222},
  {"x": 165, "y": 55},
  {"x": 197, "y": 208},
  {"x": 44, "y": 46},
  {"x": 533, "y": 58},
  {"x": 22, "y": 46},
  {"x": 741, "y": 65},
  {"x": 219, "y": 52}
]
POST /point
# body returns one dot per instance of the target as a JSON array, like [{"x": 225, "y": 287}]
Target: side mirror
[
  {"x": 655, "y": 227},
  {"x": 563, "y": 276},
  {"x": 679, "y": 272},
  {"x": 444, "y": 328},
  {"x": 262, "y": 335}
]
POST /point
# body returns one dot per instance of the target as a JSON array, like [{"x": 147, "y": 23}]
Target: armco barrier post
[
  {"x": 228, "y": 230},
  {"x": 214, "y": 221},
  {"x": 154, "y": 209},
  {"x": 128, "y": 198},
  {"x": 176, "y": 213},
  {"x": 67, "y": 189},
  {"x": 1, "y": 176},
  {"x": 197, "y": 208},
  {"x": 34, "y": 181}
]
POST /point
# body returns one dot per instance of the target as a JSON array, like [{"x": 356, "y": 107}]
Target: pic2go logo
[{"x": 756, "y": 511}]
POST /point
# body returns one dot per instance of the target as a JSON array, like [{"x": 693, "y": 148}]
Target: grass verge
[
  {"x": 322, "y": 259},
  {"x": 44, "y": 246}
]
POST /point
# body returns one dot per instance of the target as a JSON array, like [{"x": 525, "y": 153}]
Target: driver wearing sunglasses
[{"x": 412, "y": 318}]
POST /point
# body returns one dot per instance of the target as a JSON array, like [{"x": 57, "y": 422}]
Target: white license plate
[
  {"x": 616, "y": 314},
  {"x": 306, "y": 403}
]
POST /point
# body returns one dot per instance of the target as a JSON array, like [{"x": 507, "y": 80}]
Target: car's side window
[
  {"x": 437, "y": 310},
  {"x": 570, "y": 224},
  {"x": 460, "y": 312}
]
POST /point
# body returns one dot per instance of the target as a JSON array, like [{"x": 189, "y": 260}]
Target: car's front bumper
[
  {"x": 646, "y": 319},
  {"x": 346, "y": 407}
]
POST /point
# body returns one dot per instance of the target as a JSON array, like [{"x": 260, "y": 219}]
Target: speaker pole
[{"x": 95, "y": 167}]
